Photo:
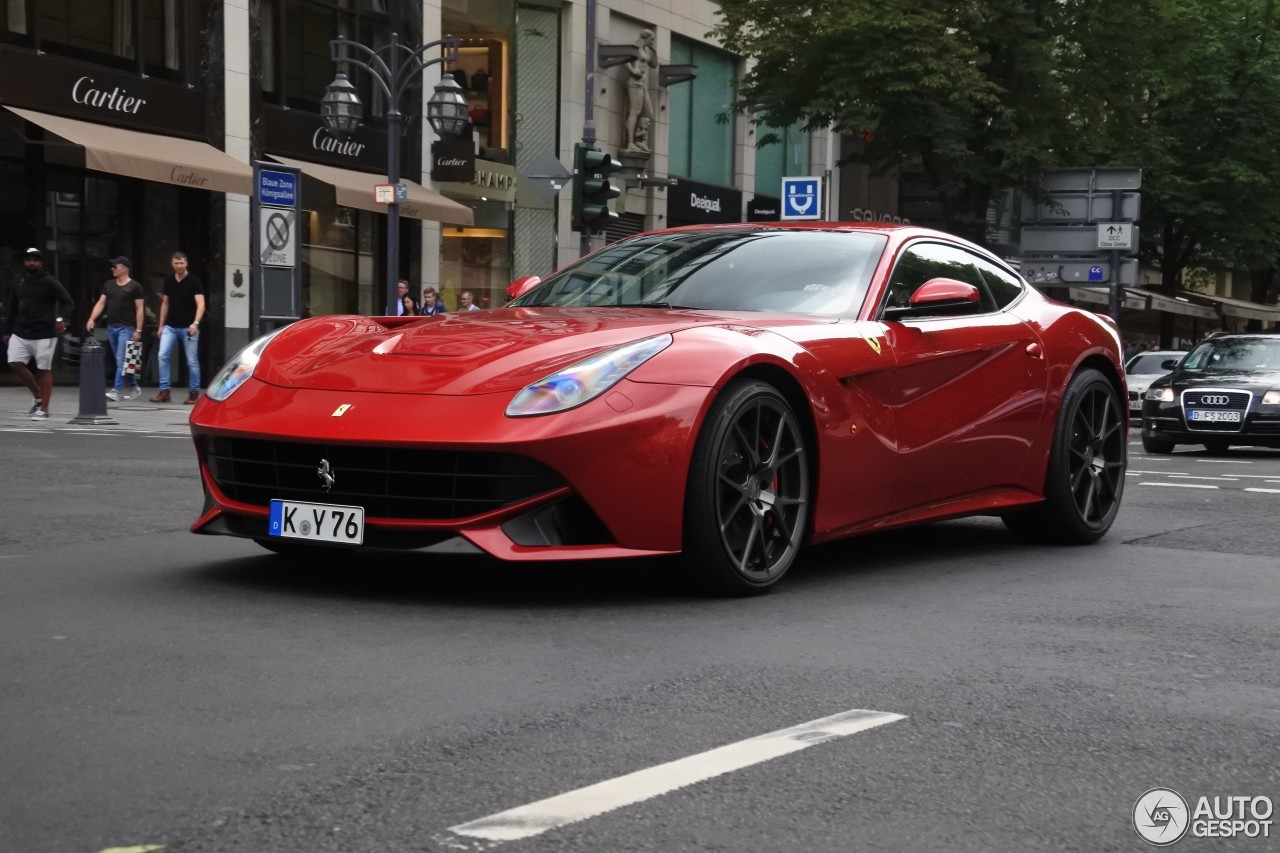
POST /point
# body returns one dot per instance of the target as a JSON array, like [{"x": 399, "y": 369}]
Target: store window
[
  {"x": 147, "y": 36},
  {"x": 338, "y": 264},
  {"x": 296, "y": 62},
  {"x": 782, "y": 153},
  {"x": 701, "y": 140}
]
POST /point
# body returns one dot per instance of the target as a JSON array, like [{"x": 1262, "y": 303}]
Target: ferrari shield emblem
[{"x": 873, "y": 342}]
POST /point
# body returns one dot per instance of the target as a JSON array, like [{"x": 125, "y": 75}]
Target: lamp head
[
  {"x": 447, "y": 108},
  {"x": 340, "y": 107}
]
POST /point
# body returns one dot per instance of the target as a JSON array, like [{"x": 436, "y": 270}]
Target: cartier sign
[
  {"x": 54, "y": 84},
  {"x": 296, "y": 133},
  {"x": 453, "y": 160}
]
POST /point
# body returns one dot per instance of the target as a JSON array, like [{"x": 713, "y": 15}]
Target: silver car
[{"x": 1143, "y": 369}]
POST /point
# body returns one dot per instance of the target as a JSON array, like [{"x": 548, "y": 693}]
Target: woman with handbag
[{"x": 122, "y": 299}]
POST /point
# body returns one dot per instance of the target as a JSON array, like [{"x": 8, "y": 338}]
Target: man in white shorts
[{"x": 38, "y": 306}]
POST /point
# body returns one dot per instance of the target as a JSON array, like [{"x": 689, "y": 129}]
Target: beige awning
[
  {"x": 149, "y": 156},
  {"x": 355, "y": 189},
  {"x": 1238, "y": 307},
  {"x": 1169, "y": 305}
]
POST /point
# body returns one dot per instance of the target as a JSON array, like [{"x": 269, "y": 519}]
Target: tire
[
  {"x": 747, "y": 502},
  {"x": 1085, "y": 477},
  {"x": 1156, "y": 446},
  {"x": 1217, "y": 446}
]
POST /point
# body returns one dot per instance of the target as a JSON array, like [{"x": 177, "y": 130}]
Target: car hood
[
  {"x": 1141, "y": 381},
  {"x": 1254, "y": 379},
  {"x": 476, "y": 352}
]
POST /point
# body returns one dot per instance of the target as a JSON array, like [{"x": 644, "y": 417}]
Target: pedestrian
[
  {"x": 181, "y": 310},
  {"x": 467, "y": 302},
  {"x": 402, "y": 293},
  {"x": 407, "y": 308},
  {"x": 37, "y": 305},
  {"x": 122, "y": 299},
  {"x": 431, "y": 304}
]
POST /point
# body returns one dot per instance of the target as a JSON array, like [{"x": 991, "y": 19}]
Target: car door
[{"x": 969, "y": 390}]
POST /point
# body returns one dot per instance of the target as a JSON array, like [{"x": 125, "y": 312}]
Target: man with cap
[
  {"x": 181, "y": 310},
  {"x": 38, "y": 304},
  {"x": 122, "y": 299}
]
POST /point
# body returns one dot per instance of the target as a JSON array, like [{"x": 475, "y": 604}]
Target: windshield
[
  {"x": 811, "y": 272},
  {"x": 1223, "y": 354},
  {"x": 1149, "y": 363}
]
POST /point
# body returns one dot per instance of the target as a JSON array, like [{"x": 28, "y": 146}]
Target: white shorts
[{"x": 23, "y": 350}]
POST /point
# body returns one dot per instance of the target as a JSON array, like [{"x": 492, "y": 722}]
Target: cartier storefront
[{"x": 103, "y": 154}]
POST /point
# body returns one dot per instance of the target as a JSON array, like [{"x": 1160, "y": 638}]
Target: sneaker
[
  {"x": 113, "y": 395},
  {"x": 40, "y": 415},
  {"x": 161, "y": 397},
  {"x": 132, "y": 392},
  {"x": 35, "y": 407}
]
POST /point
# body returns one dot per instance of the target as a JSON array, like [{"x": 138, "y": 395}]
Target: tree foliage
[{"x": 983, "y": 95}]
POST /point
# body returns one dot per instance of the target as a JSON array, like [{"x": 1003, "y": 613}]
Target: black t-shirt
[
  {"x": 121, "y": 306},
  {"x": 182, "y": 300}
]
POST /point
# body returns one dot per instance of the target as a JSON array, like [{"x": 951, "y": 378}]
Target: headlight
[
  {"x": 1164, "y": 395},
  {"x": 585, "y": 380},
  {"x": 1271, "y": 398},
  {"x": 239, "y": 368}
]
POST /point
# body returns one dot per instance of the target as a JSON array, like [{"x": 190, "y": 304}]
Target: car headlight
[
  {"x": 239, "y": 368},
  {"x": 1271, "y": 398},
  {"x": 585, "y": 380},
  {"x": 1164, "y": 395}
]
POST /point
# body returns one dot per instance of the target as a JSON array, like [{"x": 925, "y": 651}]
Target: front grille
[
  {"x": 389, "y": 482},
  {"x": 1215, "y": 400}
]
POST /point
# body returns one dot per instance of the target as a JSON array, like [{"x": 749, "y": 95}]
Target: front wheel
[
  {"x": 747, "y": 502},
  {"x": 1087, "y": 461}
]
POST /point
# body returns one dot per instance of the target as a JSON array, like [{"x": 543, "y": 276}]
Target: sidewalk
[{"x": 136, "y": 415}]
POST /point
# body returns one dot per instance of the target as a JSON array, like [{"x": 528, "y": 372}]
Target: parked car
[
  {"x": 1143, "y": 369},
  {"x": 1225, "y": 392},
  {"x": 728, "y": 393}
]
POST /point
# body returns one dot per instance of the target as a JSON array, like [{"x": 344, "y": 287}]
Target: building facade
[{"x": 132, "y": 126}]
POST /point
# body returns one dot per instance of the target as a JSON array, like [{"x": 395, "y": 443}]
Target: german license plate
[
  {"x": 1210, "y": 416},
  {"x": 343, "y": 525}
]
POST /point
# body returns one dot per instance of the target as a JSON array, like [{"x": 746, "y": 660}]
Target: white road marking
[
  {"x": 1194, "y": 477},
  {"x": 1228, "y": 461},
  {"x": 1166, "y": 473},
  {"x": 1265, "y": 491},
  {"x": 536, "y": 818},
  {"x": 1178, "y": 485}
]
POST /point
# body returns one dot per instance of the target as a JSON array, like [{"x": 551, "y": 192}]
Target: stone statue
[{"x": 635, "y": 133}]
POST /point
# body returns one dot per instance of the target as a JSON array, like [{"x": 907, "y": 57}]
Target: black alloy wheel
[
  {"x": 1085, "y": 477},
  {"x": 747, "y": 503}
]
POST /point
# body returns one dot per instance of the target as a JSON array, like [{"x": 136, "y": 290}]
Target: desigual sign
[{"x": 696, "y": 202}]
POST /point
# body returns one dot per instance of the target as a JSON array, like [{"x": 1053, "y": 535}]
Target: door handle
[{"x": 1035, "y": 351}]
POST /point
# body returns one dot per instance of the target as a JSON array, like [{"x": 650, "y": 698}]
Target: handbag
[{"x": 132, "y": 358}]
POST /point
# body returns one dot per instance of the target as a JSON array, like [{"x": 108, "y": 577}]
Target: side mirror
[
  {"x": 1170, "y": 364},
  {"x": 939, "y": 296},
  {"x": 521, "y": 286}
]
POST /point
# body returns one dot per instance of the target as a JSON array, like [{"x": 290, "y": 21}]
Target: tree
[{"x": 965, "y": 93}]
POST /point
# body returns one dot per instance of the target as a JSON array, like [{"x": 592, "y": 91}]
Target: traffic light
[{"x": 592, "y": 189}]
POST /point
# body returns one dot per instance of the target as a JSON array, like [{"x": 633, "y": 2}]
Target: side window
[
  {"x": 920, "y": 262},
  {"x": 1004, "y": 286}
]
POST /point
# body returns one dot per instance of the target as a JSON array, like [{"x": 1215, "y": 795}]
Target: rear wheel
[
  {"x": 1156, "y": 446},
  {"x": 747, "y": 504},
  {"x": 1217, "y": 446},
  {"x": 1085, "y": 476}
]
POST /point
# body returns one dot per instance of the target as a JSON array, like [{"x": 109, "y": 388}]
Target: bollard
[{"x": 93, "y": 388}]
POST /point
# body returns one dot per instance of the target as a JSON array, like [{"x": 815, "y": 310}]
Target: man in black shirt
[
  {"x": 181, "y": 310},
  {"x": 37, "y": 304},
  {"x": 122, "y": 301}
]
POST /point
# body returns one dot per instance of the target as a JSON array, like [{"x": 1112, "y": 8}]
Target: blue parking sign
[{"x": 801, "y": 198}]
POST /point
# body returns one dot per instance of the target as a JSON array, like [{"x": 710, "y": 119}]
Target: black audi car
[{"x": 1225, "y": 392}]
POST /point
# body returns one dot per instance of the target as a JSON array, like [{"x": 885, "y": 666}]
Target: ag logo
[{"x": 1161, "y": 817}]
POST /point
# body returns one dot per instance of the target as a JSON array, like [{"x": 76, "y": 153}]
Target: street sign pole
[{"x": 1117, "y": 289}]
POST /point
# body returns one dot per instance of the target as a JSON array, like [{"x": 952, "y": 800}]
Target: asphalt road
[{"x": 197, "y": 694}]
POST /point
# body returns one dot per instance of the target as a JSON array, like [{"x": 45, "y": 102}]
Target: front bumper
[
  {"x": 604, "y": 480},
  {"x": 1259, "y": 425}
]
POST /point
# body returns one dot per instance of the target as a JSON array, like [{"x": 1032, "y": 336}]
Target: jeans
[
  {"x": 190, "y": 345},
  {"x": 119, "y": 335}
]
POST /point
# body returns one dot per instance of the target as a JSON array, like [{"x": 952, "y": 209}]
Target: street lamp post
[{"x": 393, "y": 67}]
